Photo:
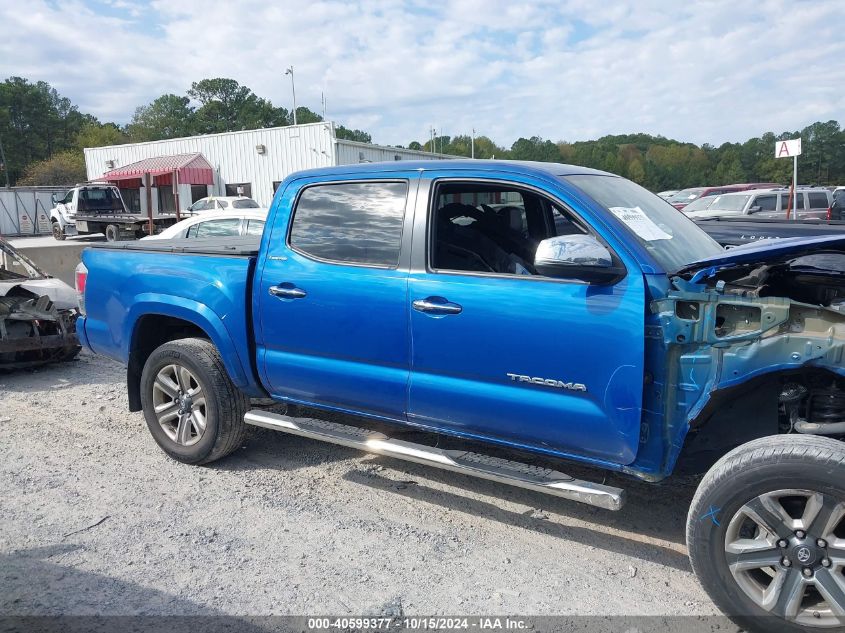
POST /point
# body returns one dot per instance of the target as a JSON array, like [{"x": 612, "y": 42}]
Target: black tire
[
  {"x": 58, "y": 231},
  {"x": 766, "y": 465},
  {"x": 224, "y": 404},
  {"x": 112, "y": 233}
]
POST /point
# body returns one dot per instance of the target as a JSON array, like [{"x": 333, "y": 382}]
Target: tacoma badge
[{"x": 548, "y": 382}]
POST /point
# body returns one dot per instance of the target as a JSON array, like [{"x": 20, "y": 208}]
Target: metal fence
[{"x": 26, "y": 210}]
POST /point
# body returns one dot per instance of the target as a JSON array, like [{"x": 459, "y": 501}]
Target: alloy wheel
[{"x": 786, "y": 551}]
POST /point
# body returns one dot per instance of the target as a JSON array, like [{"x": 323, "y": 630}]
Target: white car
[
  {"x": 222, "y": 203},
  {"x": 216, "y": 224}
]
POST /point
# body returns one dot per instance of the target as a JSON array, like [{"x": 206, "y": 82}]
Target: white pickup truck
[{"x": 97, "y": 207}]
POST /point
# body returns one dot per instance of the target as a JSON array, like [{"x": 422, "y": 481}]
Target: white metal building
[{"x": 252, "y": 162}]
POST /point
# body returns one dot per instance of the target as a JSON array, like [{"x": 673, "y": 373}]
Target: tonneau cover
[{"x": 232, "y": 246}]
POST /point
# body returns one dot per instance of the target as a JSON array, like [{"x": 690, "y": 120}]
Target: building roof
[{"x": 190, "y": 169}]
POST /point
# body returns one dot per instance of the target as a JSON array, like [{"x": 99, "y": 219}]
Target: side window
[
  {"x": 784, "y": 201},
  {"x": 356, "y": 223},
  {"x": 222, "y": 204},
  {"x": 254, "y": 227},
  {"x": 68, "y": 198},
  {"x": 492, "y": 228},
  {"x": 224, "y": 227},
  {"x": 766, "y": 203},
  {"x": 199, "y": 205},
  {"x": 817, "y": 200}
]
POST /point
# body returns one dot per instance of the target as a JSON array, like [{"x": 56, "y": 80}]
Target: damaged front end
[
  {"x": 754, "y": 346},
  {"x": 37, "y": 314}
]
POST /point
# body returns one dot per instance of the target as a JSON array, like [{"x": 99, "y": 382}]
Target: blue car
[{"x": 517, "y": 318}]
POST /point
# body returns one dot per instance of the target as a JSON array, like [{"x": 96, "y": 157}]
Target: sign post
[{"x": 785, "y": 149}]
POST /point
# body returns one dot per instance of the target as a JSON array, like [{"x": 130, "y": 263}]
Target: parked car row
[
  {"x": 682, "y": 198},
  {"x": 806, "y": 203}
]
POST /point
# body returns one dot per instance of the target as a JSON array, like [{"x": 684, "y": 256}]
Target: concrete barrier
[{"x": 58, "y": 260}]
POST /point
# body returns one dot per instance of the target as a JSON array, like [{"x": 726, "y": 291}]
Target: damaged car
[{"x": 37, "y": 314}]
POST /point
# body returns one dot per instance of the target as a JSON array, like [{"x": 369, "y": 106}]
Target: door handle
[
  {"x": 436, "y": 305},
  {"x": 287, "y": 291}
]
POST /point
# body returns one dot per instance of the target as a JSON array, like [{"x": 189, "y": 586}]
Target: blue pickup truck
[{"x": 503, "y": 320}]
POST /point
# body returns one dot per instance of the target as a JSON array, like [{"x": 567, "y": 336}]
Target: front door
[
  {"x": 501, "y": 352},
  {"x": 331, "y": 301}
]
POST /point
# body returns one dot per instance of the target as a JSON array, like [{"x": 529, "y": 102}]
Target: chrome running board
[{"x": 493, "y": 468}]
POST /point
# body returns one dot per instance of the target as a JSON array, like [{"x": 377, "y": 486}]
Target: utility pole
[
  {"x": 289, "y": 71},
  {"x": 323, "y": 99},
  {"x": 3, "y": 164},
  {"x": 472, "y": 144}
]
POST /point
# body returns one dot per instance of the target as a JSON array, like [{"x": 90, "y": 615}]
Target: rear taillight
[
  {"x": 829, "y": 214},
  {"x": 81, "y": 278}
]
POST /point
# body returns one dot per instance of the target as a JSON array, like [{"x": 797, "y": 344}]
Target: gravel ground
[{"x": 97, "y": 520}]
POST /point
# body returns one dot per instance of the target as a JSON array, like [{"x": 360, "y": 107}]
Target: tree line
[{"x": 43, "y": 134}]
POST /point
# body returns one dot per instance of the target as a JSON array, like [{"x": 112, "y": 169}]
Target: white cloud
[{"x": 705, "y": 71}]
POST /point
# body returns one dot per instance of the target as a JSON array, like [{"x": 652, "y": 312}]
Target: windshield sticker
[{"x": 636, "y": 220}]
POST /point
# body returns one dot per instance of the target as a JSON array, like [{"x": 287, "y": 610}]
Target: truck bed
[{"x": 207, "y": 283}]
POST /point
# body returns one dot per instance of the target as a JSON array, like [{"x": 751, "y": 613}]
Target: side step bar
[{"x": 474, "y": 464}]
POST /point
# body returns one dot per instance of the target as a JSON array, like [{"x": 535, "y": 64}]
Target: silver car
[{"x": 812, "y": 204}]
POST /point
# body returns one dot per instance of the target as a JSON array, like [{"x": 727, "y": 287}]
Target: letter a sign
[{"x": 788, "y": 149}]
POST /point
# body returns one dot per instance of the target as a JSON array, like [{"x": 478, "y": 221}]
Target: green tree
[
  {"x": 100, "y": 135},
  {"x": 169, "y": 116},
  {"x": 534, "y": 148},
  {"x": 64, "y": 168},
  {"x": 35, "y": 122},
  {"x": 353, "y": 135},
  {"x": 304, "y": 115},
  {"x": 227, "y": 106},
  {"x": 729, "y": 168}
]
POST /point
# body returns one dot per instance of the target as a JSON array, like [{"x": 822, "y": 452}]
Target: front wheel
[
  {"x": 766, "y": 534},
  {"x": 112, "y": 233},
  {"x": 58, "y": 232},
  {"x": 192, "y": 409}
]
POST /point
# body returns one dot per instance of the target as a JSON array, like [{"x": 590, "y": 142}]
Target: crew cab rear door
[
  {"x": 330, "y": 299},
  {"x": 500, "y": 353}
]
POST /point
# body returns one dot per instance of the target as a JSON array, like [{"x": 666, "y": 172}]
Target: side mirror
[
  {"x": 576, "y": 257},
  {"x": 754, "y": 209},
  {"x": 54, "y": 199}
]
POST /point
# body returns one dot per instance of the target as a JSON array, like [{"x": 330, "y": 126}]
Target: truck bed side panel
[{"x": 207, "y": 290}]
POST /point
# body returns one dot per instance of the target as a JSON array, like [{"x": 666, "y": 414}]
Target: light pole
[{"x": 289, "y": 71}]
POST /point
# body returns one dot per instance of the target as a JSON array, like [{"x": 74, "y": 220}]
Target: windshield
[
  {"x": 733, "y": 203},
  {"x": 13, "y": 265},
  {"x": 245, "y": 203},
  {"x": 668, "y": 235},
  {"x": 700, "y": 204},
  {"x": 686, "y": 195}
]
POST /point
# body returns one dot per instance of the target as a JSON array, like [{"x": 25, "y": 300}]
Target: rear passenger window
[
  {"x": 356, "y": 223},
  {"x": 766, "y": 203},
  {"x": 254, "y": 227},
  {"x": 817, "y": 200},
  {"x": 216, "y": 228},
  {"x": 784, "y": 203}
]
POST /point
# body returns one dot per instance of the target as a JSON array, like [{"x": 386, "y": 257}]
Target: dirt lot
[{"x": 292, "y": 526}]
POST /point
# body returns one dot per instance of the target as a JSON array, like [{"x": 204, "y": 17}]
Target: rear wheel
[
  {"x": 192, "y": 409},
  {"x": 766, "y": 534},
  {"x": 58, "y": 232},
  {"x": 112, "y": 233}
]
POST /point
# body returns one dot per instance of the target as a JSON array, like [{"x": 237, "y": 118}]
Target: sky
[{"x": 705, "y": 71}]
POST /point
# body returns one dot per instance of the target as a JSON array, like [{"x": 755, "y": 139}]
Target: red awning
[{"x": 192, "y": 169}]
